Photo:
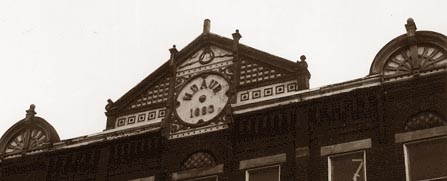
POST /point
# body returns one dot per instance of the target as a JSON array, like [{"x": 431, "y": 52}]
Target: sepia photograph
[{"x": 231, "y": 90}]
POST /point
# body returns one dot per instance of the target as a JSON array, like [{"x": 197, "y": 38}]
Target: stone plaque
[{"x": 202, "y": 99}]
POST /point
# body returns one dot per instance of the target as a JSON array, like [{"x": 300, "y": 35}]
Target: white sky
[{"x": 68, "y": 57}]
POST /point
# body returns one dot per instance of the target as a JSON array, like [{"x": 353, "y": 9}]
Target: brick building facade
[{"x": 221, "y": 110}]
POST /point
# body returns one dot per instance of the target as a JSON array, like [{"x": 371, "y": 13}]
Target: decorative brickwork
[
  {"x": 141, "y": 118},
  {"x": 344, "y": 110},
  {"x": 156, "y": 94},
  {"x": 22, "y": 168},
  {"x": 424, "y": 120},
  {"x": 199, "y": 160},
  {"x": 67, "y": 166},
  {"x": 273, "y": 122},
  {"x": 271, "y": 91},
  {"x": 253, "y": 73},
  {"x": 131, "y": 153}
]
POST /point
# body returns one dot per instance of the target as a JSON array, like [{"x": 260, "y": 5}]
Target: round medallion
[
  {"x": 206, "y": 56},
  {"x": 202, "y": 99}
]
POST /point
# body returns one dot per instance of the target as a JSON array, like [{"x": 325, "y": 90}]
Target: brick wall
[{"x": 377, "y": 113}]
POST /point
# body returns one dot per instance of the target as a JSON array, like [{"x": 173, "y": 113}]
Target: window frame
[
  {"x": 329, "y": 162},
  {"x": 152, "y": 178},
  {"x": 406, "y": 156},
  {"x": 198, "y": 173},
  {"x": 208, "y": 176},
  {"x": 247, "y": 174}
]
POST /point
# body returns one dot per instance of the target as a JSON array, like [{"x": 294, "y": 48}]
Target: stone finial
[
  {"x": 303, "y": 57},
  {"x": 237, "y": 35},
  {"x": 302, "y": 61},
  {"x": 30, "y": 112},
  {"x": 206, "y": 26},
  {"x": 109, "y": 104},
  {"x": 173, "y": 50},
  {"x": 411, "y": 27}
]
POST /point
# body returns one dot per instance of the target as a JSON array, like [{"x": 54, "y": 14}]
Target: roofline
[
  {"x": 299, "y": 96},
  {"x": 188, "y": 49},
  {"x": 333, "y": 89},
  {"x": 91, "y": 139}
]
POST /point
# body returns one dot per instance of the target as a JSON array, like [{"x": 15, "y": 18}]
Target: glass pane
[
  {"x": 348, "y": 167},
  {"x": 264, "y": 174},
  {"x": 428, "y": 159},
  {"x": 212, "y": 178}
]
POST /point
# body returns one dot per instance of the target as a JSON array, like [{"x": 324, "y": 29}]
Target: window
[
  {"x": 151, "y": 178},
  {"x": 265, "y": 168},
  {"x": 425, "y": 153},
  {"x": 270, "y": 173},
  {"x": 347, "y": 166},
  {"x": 199, "y": 174},
  {"x": 426, "y": 159},
  {"x": 347, "y": 161},
  {"x": 211, "y": 178}
]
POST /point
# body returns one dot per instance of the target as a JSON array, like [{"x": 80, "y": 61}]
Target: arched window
[
  {"x": 429, "y": 57},
  {"x": 413, "y": 52},
  {"x": 28, "y": 134}
]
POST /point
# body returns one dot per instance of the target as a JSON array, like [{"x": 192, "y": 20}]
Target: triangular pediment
[{"x": 147, "y": 102}]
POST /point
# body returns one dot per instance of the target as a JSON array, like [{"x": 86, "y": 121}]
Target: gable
[{"x": 242, "y": 67}]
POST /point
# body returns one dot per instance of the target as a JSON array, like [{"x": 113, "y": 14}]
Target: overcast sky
[{"x": 68, "y": 57}]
